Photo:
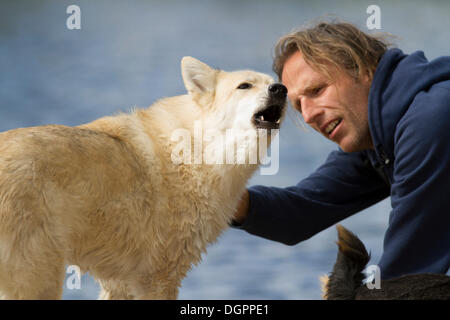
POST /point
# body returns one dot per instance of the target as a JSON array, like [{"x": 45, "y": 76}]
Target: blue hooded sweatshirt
[{"x": 409, "y": 120}]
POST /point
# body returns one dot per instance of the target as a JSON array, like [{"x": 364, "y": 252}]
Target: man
[{"x": 390, "y": 115}]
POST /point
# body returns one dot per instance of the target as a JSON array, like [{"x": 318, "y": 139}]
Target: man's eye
[
  {"x": 316, "y": 91},
  {"x": 244, "y": 85}
]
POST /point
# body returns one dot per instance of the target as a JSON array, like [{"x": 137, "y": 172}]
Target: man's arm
[
  {"x": 242, "y": 209},
  {"x": 344, "y": 185}
]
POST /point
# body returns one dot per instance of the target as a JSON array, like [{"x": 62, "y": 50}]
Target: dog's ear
[{"x": 199, "y": 79}]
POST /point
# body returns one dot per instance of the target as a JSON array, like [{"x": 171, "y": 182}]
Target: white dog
[{"x": 111, "y": 197}]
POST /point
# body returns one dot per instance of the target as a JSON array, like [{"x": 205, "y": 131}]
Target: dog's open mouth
[{"x": 268, "y": 118}]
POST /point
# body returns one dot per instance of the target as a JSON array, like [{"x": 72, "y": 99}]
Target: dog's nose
[{"x": 277, "y": 90}]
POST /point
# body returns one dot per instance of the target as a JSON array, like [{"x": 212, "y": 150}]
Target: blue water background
[{"x": 128, "y": 53}]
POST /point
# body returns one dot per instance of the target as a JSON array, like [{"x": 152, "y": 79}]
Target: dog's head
[{"x": 240, "y": 99}]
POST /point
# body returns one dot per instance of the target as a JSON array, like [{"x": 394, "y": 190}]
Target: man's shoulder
[
  {"x": 427, "y": 118},
  {"x": 431, "y": 104},
  {"x": 442, "y": 85}
]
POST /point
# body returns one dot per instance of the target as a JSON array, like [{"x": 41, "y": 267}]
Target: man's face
[{"x": 337, "y": 109}]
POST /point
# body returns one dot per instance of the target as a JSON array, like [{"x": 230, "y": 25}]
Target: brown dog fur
[{"x": 345, "y": 281}]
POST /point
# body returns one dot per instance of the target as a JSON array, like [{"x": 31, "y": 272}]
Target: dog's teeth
[{"x": 261, "y": 118}]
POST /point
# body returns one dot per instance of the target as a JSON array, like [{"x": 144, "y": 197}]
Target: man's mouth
[
  {"x": 268, "y": 118},
  {"x": 330, "y": 127}
]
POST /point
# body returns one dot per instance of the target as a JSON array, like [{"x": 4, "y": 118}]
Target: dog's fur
[
  {"x": 345, "y": 281},
  {"x": 106, "y": 196}
]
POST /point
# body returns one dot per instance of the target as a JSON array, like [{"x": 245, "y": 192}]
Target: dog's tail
[{"x": 347, "y": 274}]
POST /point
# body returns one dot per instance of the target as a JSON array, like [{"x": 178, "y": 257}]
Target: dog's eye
[{"x": 244, "y": 85}]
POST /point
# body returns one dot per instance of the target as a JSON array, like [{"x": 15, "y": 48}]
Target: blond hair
[{"x": 338, "y": 45}]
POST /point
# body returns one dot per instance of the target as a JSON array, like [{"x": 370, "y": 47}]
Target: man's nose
[{"x": 310, "y": 111}]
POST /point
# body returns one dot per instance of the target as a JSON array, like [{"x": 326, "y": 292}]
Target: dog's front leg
[
  {"x": 114, "y": 290},
  {"x": 157, "y": 287},
  {"x": 161, "y": 294}
]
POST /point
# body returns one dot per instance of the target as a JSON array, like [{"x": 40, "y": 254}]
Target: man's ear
[{"x": 199, "y": 79}]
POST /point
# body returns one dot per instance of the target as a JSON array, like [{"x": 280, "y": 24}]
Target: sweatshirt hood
[{"x": 397, "y": 80}]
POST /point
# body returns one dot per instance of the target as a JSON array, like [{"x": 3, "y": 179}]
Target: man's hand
[{"x": 242, "y": 208}]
